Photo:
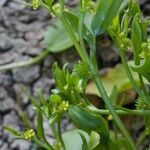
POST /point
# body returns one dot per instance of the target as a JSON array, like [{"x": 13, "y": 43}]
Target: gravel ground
[{"x": 21, "y": 38}]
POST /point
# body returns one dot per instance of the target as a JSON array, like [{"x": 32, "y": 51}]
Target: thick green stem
[
  {"x": 112, "y": 111},
  {"x": 32, "y": 61}
]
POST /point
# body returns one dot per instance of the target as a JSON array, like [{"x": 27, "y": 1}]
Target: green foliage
[
  {"x": 105, "y": 12},
  {"x": 80, "y": 29},
  {"x": 56, "y": 38},
  {"x": 109, "y": 81},
  {"x": 81, "y": 117}
]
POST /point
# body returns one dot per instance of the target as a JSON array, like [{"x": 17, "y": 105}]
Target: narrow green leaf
[
  {"x": 39, "y": 128},
  {"x": 25, "y": 120},
  {"x": 12, "y": 131},
  {"x": 84, "y": 144},
  {"x": 114, "y": 95},
  {"x": 105, "y": 12}
]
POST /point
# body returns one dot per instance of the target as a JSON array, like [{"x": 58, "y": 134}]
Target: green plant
[{"x": 69, "y": 96}]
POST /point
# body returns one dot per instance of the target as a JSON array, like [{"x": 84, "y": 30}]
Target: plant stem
[
  {"x": 60, "y": 137},
  {"x": 112, "y": 111},
  {"x": 81, "y": 37},
  {"x": 120, "y": 112},
  {"x": 42, "y": 144},
  {"x": 128, "y": 72},
  {"x": 57, "y": 134},
  {"x": 72, "y": 36},
  {"x": 141, "y": 138},
  {"x": 25, "y": 63},
  {"x": 142, "y": 84},
  {"x": 98, "y": 83}
]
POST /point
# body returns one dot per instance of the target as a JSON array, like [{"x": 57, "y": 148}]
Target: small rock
[
  {"x": 12, "y": 120},
  {"x": 48, "y": 62},
  {"x": 33, "y": 51},
  {"x": 20, "y": 145},
  {"x": 20, "y": 95},
  {"x": 17, "y": 5},
  {"x": 20, "y": 46},
  {"x": 6, "y": 103},
  {"x": 30, "y": 111},
  {"x": 3, "y": 2},
  {"x": 4, "y": 147},
  {"x": 44, "y": 84},
  {"x": 5, "y": 43},
  {"x": 5, "y": 80},
  {"x": 6, "y": 58},
  {"x": 26, "y": 74}
]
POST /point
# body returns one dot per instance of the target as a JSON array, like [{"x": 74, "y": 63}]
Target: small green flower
[
  {"x": 63, "y": 105},
  {"x": 57, "y": 8},
  {"x": 28, "y": 134},
  {"x": 91, "y": 7},
  {"x": 35, "y": 4}
]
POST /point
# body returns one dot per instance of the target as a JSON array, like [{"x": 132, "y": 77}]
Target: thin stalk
[
  {"x": 141, "y": 138},
  {"x": 81, "y": 39},
  {"x": 60, "y": 137},
  {"x": 55, "y": 133},
  {"x": 142, "y": 84},
  {"x": 128, "y": 72},
  {"x": 120, "y": 112},
  {"x": 72, "y": 36},
  {"x": 42, "y": 144},
  {"x": 112, "y": 111},
  {"x": 32, "y": 61}
]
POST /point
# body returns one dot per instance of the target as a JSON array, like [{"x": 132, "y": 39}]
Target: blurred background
[{"x": 22, "y": 33}]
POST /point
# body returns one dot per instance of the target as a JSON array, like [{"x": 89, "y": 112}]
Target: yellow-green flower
[
  {"x": 28, "y": 134},
  {"x": 35, "y": 4}
]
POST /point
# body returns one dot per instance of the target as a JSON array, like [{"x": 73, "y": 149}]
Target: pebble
[
  {"x": 6, "y": 102},
  {"x": 43, "y": 84},
  {"x": 20, "y": 145},
  {"x": 20, "y": 96},
  {"x": 5, "y": 43},
  {"x": 26, "y": 74},
  {"x": 3, "y": 2}
]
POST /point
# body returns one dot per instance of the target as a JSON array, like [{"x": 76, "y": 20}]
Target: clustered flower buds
[
  {"x": 63, "y": 105},
  {"x": 89, "y": 6},
  {"x": 123, "y": 41},
  {"x": 35, "y": 4},
  {"x": 28, "y": 134}
]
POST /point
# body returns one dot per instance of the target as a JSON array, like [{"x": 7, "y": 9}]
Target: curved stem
[
  {"x": 25, "y": 63},
  {"x": 126, "y": 67},
  {"x": 120, "y": 112}
]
